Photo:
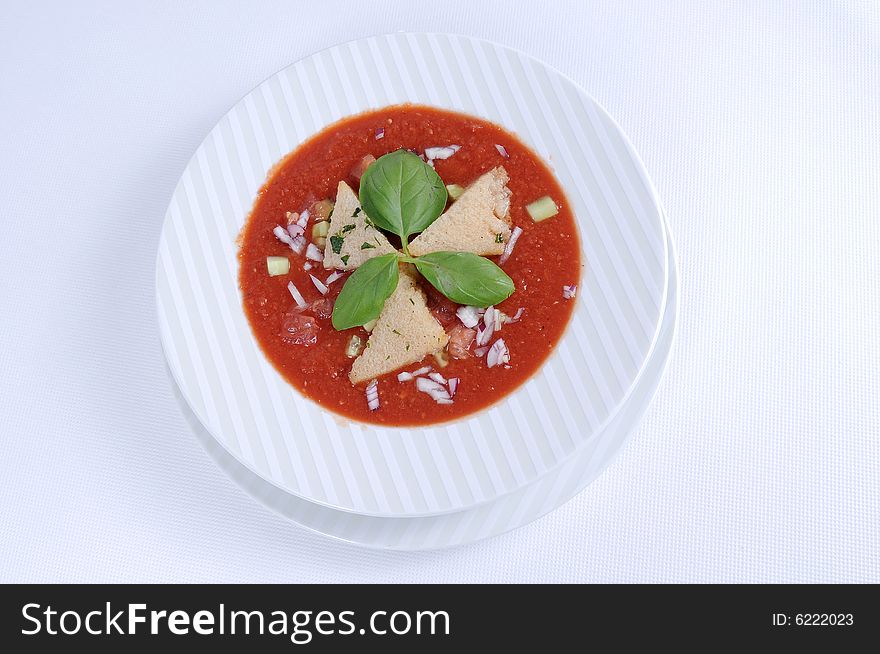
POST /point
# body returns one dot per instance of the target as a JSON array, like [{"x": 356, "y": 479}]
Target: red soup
[{"x": 301, "y": 342}]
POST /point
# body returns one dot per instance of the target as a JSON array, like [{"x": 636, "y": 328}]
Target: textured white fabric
[{"x": 760, "y": 458}]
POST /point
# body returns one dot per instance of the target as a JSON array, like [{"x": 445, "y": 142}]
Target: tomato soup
[{"x": 545, "y": 266}]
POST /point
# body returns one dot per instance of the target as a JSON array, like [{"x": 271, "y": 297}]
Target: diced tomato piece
[
  {"x": 358, "y": 169},
  {"x": 460, "y": 339},
  {"x": 299, "y": 329},
  {"x": 322, "y": 308},
  {"x": 442, "y": 308},
  {"x": 443, "y": 316}
]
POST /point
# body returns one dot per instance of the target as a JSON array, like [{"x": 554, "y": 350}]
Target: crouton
[
  {"x": 405, "y": 332},
  {"x": 351, "y": 239},
  {"x": 478, "y": 222}
]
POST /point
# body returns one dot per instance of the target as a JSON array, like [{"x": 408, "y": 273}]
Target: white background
[{"x": 759, "y": 460}]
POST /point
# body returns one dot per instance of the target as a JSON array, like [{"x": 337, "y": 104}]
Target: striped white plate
[
  {"x": 503, "y": 514},
  {"x": 288, "y": 440}
]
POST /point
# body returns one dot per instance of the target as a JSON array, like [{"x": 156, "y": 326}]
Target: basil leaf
[
  {"x": 365, "y": 291},
  {"x": 465, "y": 278},
  {"x": 402, "y": 194}
]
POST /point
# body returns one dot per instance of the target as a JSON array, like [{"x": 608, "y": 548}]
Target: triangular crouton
[
  {"x": 405, "y": 332},
  {"x": 478, "y": 222},
  {"x": 350, "y": 239}
]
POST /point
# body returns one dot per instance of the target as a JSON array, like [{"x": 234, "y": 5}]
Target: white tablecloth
[{"x": 760, "y": 457}]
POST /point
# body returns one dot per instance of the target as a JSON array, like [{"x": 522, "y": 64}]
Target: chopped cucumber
[
  {"x": 354, "y": 346},
  {"x": 323, "y": 209},
  {"x": 320, "y": 229},
  {"x": 368, "y": 326},
  {"x": 542, "y": 209},
  {"x": 277, "y": 266},
  {"x": 442, "y": 358},
  {"x": 320, "y": 241},
  {"x": 454, "y": 190}
]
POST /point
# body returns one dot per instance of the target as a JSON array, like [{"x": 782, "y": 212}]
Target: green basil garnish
[
  {"x": 402, "y": 194},
  {"x": 365, "y": 291},
  {"x": 465, "y": 278}
]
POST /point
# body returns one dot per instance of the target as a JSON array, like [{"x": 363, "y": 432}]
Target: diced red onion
[
  {"x": 485, "y": 333},
  {"x": 409, "y": 376},
  {"x": 568, "y": 292},
  {"x": 307, "y": 266},
  {"x": 294, "y": 230},
  {"x": 480, "y": 351},
  {"x": 511, "y": 243},
  {"x": 427, "y": 385},
  {"x": 380, "y": 133},
  {"x": 453, "y": 385},
  {"x": 468, "y": 315},
  {"x": 373, "y": 395},
  {"x": 336, "y": 274},
  {"x": 443, "y": 400},
  {"x": 298, "y": 244},
  {"x": 516, "y": 316},
  {"x": 314, "y": 253},
  {"x": 303, "y": 220},
  {"x": 502, "y": 151},
  {"x": 437, "y": 377},
  {"x": 283, "y": 235},
  {"x": 498, "y": 317},
  {"x": 432, "y": 388},
  {"x": 498, "y": 354},
  {"x": 441, "y": 152},
  {"x": 297, "y": 296},
  {"x": 430, "y": 162},
  {"x": 321, "y": 286}
]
